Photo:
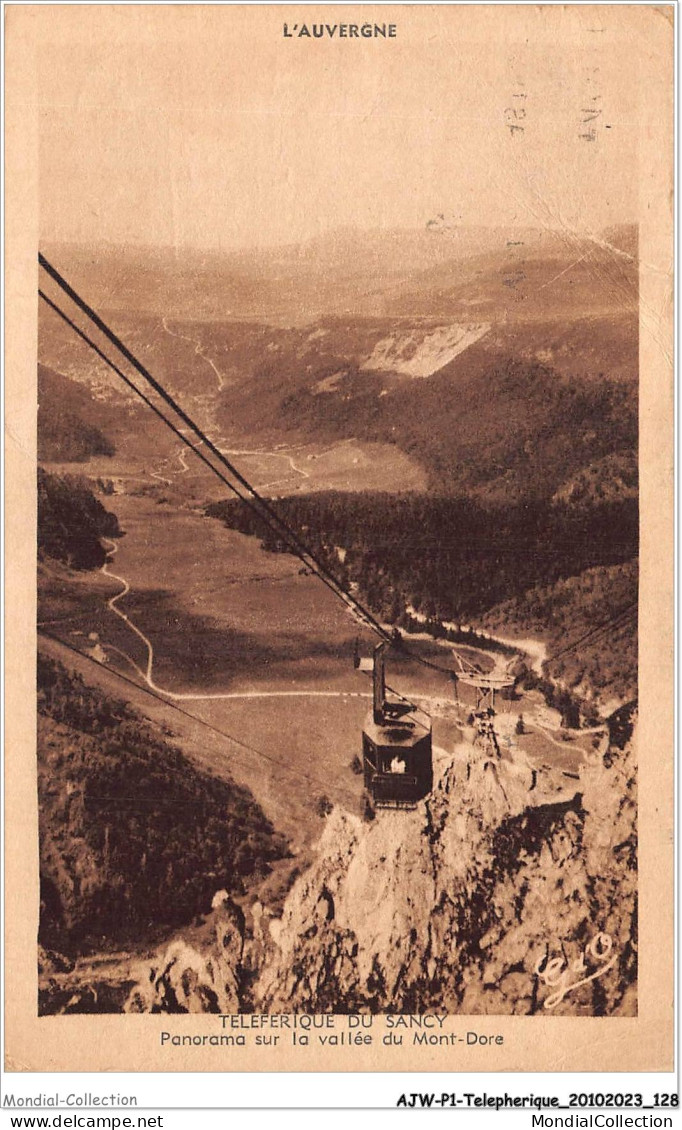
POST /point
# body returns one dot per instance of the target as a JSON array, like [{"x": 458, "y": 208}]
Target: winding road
[
  {"x": 183, "y": 452},
  {"x": 181, "y": 455},
  {"x": 147, "y": 674}
]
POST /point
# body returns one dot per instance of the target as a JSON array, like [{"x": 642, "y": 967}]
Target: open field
[{"x": 165, "y": 469}]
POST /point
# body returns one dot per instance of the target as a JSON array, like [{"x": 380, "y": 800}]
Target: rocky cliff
[{"x": 456, "y": 905}]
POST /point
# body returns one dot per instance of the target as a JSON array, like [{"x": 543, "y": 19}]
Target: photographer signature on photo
[{"x": 557, "y": 973}]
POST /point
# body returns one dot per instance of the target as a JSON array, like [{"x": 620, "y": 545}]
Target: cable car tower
[
  {"x": 396, "y": 743},
  {"x": 484, "y": 710}
]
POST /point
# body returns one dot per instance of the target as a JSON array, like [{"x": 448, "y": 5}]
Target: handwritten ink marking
[
  {"x": 516, "y": 114},
  {"x": 553, "y": 974},
  {"x": 590, "y": 113}
]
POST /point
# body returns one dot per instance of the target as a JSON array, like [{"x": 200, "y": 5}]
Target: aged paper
[{"x": 370, "y": 767}]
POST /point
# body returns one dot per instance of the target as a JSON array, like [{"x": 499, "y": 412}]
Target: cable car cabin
[
  {"x": 396, "y": 758},
  {"x": 396, "y": 747}
]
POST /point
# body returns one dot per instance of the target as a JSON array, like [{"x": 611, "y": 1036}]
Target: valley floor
[{"x": 260, "y": 658}]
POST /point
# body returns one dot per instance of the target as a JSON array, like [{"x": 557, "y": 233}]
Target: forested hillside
[
  {"x": 71, "y": 522},
  {"x": 447, "y": 557},
  {"x": 133, "y": 837},
  {"x": 492, "y": 423},
  {"x": 69, "y": 420},
  {"x": 574, "y": 609}
]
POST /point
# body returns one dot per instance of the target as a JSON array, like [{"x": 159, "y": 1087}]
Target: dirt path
[
  {"x": 270, "y": 455},
  {"x": 147, "y": 673},
  {"x": 198, "y": 351},
  {"x": 536, "y": 650}
]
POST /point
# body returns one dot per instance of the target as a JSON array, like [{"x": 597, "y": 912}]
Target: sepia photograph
[{"x": 338, "y": 330}]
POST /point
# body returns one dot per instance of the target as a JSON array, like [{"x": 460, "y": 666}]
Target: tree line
[
  {"x": 447, "y": 558},
  {"x": 71, "y": 522}
]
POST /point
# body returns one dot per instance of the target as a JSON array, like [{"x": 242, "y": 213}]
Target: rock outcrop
[
  {"x": 197, "y": 978},
  {"x": 460, "y": 904}
]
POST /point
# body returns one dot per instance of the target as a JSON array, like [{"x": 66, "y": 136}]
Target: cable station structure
[{"x": 397, "y": 735}]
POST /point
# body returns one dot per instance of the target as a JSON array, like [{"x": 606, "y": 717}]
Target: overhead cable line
[
  {"x": 267, "y": 513},
  {"x": 613, "y": 623},
  {"x": 181, "y": 436},
  {"x": 131, "y": 384},
  {"x": 119, "y": 372},
  {"x": 252, "y": 498}
]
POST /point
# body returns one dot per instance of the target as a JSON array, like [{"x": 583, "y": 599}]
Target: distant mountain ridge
[
  {"x": 343, "y": 272},
  {"x": 504, "y": 362}
]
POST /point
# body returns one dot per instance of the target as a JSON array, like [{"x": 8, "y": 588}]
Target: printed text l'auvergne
[{"x": 340, "y": 31}]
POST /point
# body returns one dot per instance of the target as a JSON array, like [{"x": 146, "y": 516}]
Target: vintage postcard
[{"x": 339, "y": 537}]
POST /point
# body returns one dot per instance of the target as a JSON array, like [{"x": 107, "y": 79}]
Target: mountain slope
[
  {"x": 504, "y": 365},
  {"x": 69, "y": 421},
  {"x": 134, "y": 839},
  {"x": 355, "y": 272}
]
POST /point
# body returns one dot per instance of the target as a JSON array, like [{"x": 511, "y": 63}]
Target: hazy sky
[{"x": 204, "y": 127}]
